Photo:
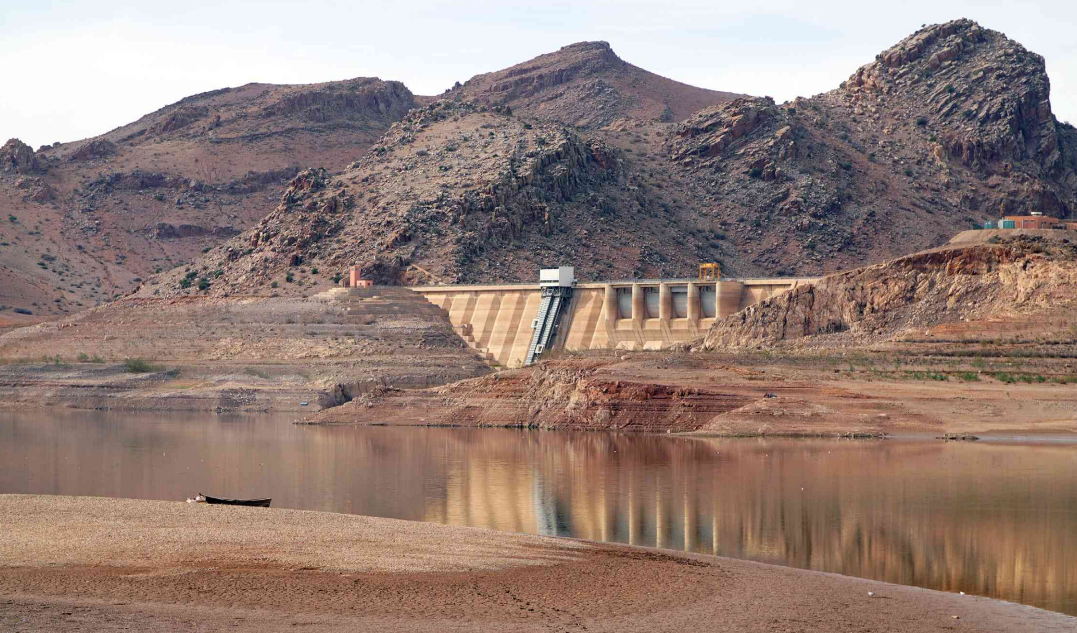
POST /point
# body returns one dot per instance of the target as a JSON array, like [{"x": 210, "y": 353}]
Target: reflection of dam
[
  {"x": 634, "y": 315},
  {"x": 913, "y": 513},
  {"x": 988, "y": 519}
]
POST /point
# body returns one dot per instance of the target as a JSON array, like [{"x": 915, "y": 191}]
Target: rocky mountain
[
  {"x": 586, "y": 85},
  {"x": 986, "y": 287},
  {"x": 577, "y": 157},
  {"x": 456, "y": 192},
  {"x": 83, "y": 222},
  {"x": 520, "y": 168},
  {"x": 949, "y": 127}
]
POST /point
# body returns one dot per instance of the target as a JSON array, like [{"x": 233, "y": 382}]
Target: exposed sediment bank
[
  {"x": 165, "y": 565},
  {"x": 243, "y": 354},
  {"x": 736, "y": 396}
]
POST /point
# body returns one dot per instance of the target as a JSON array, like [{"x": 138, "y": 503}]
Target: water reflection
[{"x": 994, "y": 520}]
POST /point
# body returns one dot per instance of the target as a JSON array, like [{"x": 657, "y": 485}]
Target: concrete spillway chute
[{"x": 556, "y": 285}]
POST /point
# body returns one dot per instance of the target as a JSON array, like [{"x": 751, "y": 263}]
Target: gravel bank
[{"x": 69, "y": 564}]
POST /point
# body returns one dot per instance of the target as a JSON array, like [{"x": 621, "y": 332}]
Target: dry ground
[{"x": 69, "y": 564}]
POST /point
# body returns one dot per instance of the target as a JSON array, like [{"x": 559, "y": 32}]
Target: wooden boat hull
[{"x": 255, "y": 503}]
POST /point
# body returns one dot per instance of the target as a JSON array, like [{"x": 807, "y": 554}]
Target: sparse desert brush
[
  {"x": 139, "y": 366},
  {"x": 254, "y": 371}
]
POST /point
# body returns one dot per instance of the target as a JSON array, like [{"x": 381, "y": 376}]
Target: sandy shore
[{"x": 71, "y": 563}]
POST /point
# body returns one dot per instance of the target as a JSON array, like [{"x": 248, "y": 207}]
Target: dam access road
[{"x": 155, "y": 565}]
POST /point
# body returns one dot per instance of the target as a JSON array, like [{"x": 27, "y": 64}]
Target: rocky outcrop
[
  {"x": 179, "y": 118},
  {"x": 18, "y": 157},
  {"x": 550, "y": 395},
  {"x": 355, "y": 99},
  {"x": 1007, "y": 278},
  {"x": 987, "y": 101},
  {"x": 95, "y": 148},
  {"x": 254, "y": 181},
  {"x": 37, "y": 190},
  {"x": 711, "y": 131},
  {"x": 950, "y": 127}
]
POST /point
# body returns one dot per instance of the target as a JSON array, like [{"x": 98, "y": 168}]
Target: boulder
[
  {"x": 18, "y": 157},
  {"x": 98, "y": 148}
]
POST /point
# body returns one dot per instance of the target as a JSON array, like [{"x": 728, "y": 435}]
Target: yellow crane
[{"x": 710, "y": 271}]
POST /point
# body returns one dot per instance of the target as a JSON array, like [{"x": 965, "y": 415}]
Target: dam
[{"x": 500, "y": 321}]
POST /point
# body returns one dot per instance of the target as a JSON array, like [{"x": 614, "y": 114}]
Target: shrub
[
  {"x": 1004, "y": 377},
  {"x": 139, "y": 366},
  {"x": 921, "y": 121},
  {"x": 926, "y": 375},
  {"x": 273, "y": 285},
  {"x": 756, "y": 172},
  {"x": 188, "y": 279}
]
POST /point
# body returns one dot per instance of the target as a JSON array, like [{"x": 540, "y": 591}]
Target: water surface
[{"x": 989, "y": 519}]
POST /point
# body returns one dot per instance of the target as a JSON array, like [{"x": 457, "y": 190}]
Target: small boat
[{"x": 256, "y": 503}]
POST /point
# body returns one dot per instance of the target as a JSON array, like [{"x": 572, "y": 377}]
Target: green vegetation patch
[{"x": 139, "y": 366}]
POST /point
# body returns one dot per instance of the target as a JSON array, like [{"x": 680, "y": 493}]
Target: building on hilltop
[{"x": 1034, "y": 221}]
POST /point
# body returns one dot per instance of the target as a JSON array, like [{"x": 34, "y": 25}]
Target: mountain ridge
[
  {"x": 577, "y": 156},
  {"x": 591, "y": 87}
]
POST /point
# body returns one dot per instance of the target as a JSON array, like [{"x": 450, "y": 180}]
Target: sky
[{"x": 75, "y": 69}]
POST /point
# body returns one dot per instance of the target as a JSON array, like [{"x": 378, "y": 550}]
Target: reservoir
[{"x": 987, "y": 518}]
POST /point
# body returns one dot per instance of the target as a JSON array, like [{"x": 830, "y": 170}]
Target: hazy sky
[{"x": 80, "y": 68}]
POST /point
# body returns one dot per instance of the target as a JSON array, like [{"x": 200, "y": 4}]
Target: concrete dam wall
[{"x": 497, "y": 320}]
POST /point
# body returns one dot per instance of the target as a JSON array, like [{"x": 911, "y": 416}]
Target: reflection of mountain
[{"x": 987, "y": 519}]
